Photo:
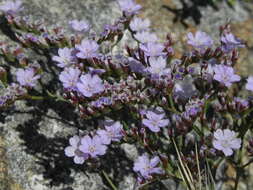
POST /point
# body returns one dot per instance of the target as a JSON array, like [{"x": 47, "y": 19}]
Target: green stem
[{"x": 109, "y": 180}]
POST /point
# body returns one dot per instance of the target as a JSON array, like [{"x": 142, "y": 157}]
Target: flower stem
[{"x": 109, "y": 180}]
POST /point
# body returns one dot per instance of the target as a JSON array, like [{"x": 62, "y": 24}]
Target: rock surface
[{"x": 34, "y": 135}]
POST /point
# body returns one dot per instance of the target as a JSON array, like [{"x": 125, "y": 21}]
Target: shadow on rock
[{"x": 190, "y": 9}]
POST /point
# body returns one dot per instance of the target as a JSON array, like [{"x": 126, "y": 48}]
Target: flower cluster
[{"x": 166, "y": 104}]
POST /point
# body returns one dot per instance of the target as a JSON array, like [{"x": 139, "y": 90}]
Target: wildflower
[
  {"x": 92, "y": 146},
  {"x": 79, "y": 26},
  {"x": 69, "y": 78},
  {"x": 87, "y": 49},
  {"x": 158, "y": 66},
  {"x": 225, "y": 75},
  {"x": 129, "y": 7},
  {"x": 185, "y": 88},
  {"x": 249, "y": 85},
  {"x": 27, "y": 77},
  {"x": 138, "y": 24},
  {"x": 145, "y": 37},
  {"x": 153, "y": 49},
  {"x": 65, "y": 57},
  {"x": 230, "y": 42},
  {"x": 74, "y": 151},
  {"x": 155, "y": 121},
  {"x": 146, "y": 167},
  {"x": 112, "y": 132},
  {"x": 90, "y": 85},
  {"x": 226, "y": 141},
  {"x": 200, "y": 40},
  {"x": 11, "y": 6}
]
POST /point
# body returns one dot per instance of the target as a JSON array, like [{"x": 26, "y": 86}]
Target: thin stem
[{"x": 109, "y": 180}]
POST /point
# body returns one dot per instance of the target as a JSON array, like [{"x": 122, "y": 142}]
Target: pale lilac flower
[
  {"x": 145, "y": 37},
  {"x": 147, "y": 167},
  {"x": 226, "y": 141},
  {"x": 129, "y": 7},
  {"x": 153, "y": 49},
  {"x": 225, "y": 75},
  {"x": 112, "y": 132},
  {"x": 90, "y": 85},
  {"x": 230, "y": 42},
  {"x": 65, "y": 57},
  {"x": 27, "y": 77},
  {"x": 92, "y": 146},
  {"x": 185, "y": 89},
  {"x": 74, "y": 151},
  {"x": 155, "y": 121},
  {"x": 249, "y": 85},
  {"x": 158, "y": 66},
  {"x": 87, "y": 49},
  {"x": 138, "y": 24},
  {"x": 200, "y": 40},
  {"x": 135, "y": 65},
  {"x": 69, "y": 78},
  {"x": 79, "y": 26},
  {"x": 11, "y": 6}
]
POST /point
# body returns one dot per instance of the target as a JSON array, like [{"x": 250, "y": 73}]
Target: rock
[{"x": 35, "y": 134}]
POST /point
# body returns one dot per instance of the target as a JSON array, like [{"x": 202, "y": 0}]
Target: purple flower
[
  {"x": 90, "y": 85},
  {"x": 74, "y": 151},
  {"x": 153, "y": 49},
  {"x": 145, "y": 37},
  {"x": 11, "y": 6},
  {"x": 158, "y": 66},
  {"x": 138, "y": 24},
  {"x": 112, "y": 132},
  {"x": 27, "y": 77},
  {"x": 69, "y": 78},
  {"x": 226, "y": 141},
  {"x": 249, "y": 85},
  {"x": 87, "y": 49},
  {"x": 146, "y": 167},
  {"x": 225, "y": 75},
  {"x": 79, "y": 26},
  {"x": 129, "y": 7},
  {"x": 230, "y": 42},
  {"x": 185, "y": 88},
  {"x": 65, "y": 57},
  {"x": 135, "y": 65},
  {"x": 92, "y": 146},
  {"x": 200, "y": 40},
  {"x": 155, "y": 121}
]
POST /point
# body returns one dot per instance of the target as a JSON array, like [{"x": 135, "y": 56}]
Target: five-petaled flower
[
  {"x": 226, "y": 141},
  {"x": 249, "y": 85},
  {"x": 12, "y": 7},
  {"x": 138, "y": 24},
  {"x": 112, "y": 132},
  {"x": 230, "y": 42},
  {"x": 147, "y": 167},
  {"x": 69, "y": 78},
  {"x": 129, "y": 7},
  {"x": 200, "y": 40},
  {"x": 65, "y": 58},
  {"x": 225, "y": 75},
  {"x": 145, "y": 37},
  {"x": 79, "y": 25},
  {"x": 27, "y": 77},
  {"x": 89, "y": 85},
  {"x": 158, "y": 66},
  {"x": 87, "y": 49},
  {"x": 155, "y": 121},
  {"x": 74, "y": 151},
  {"x": 153, "y": 49},
  {"x": 92, "y": 146}
]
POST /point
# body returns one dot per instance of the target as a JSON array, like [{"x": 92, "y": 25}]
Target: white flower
[
  {"x": 158, "y": 66},
  {"x": 226, "y": 141},
  {"x": 145, "y": 37},
  {"x": 138, "y": 24}
]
